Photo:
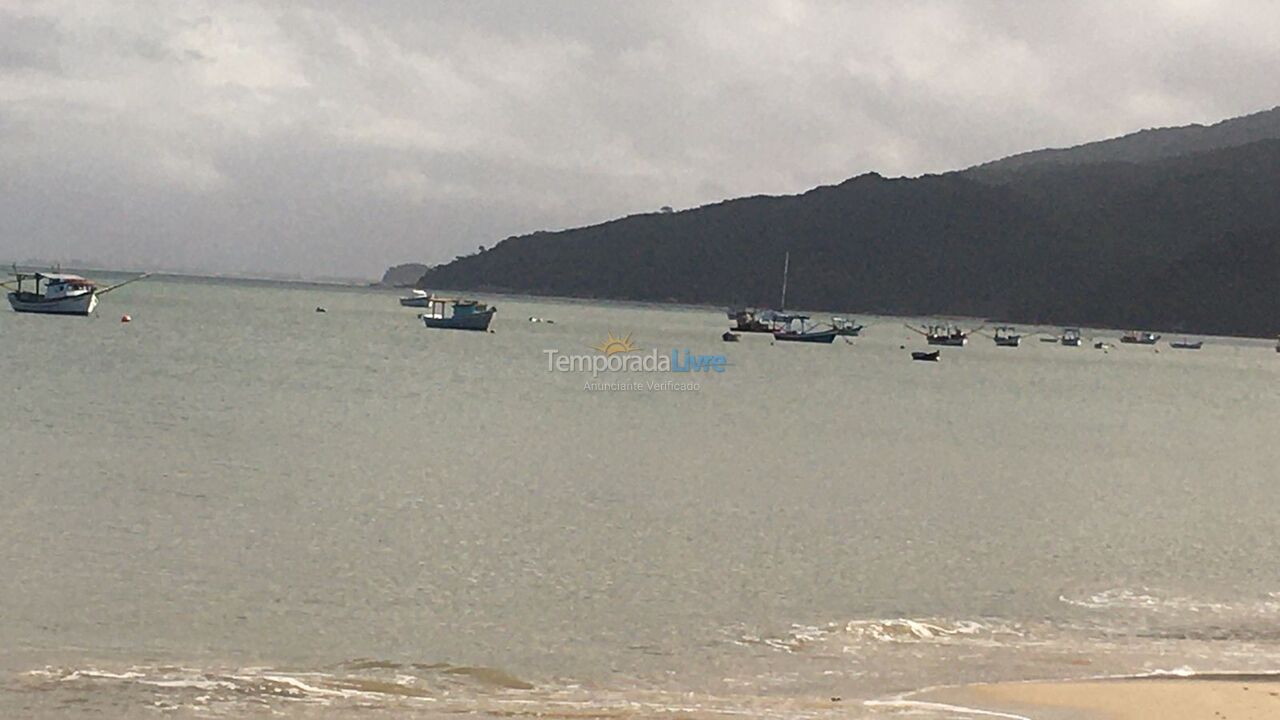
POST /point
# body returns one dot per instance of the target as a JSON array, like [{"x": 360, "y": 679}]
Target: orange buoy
[{"x": 125, "y": 318}]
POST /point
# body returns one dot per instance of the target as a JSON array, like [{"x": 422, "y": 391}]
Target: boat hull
[
  {"x": 826, "y": 337},
  {"x": 417, "y": 302},
  {"x": 1008, "y": 341},
  {"x": 471, "y": 321},
  {"x": 927, "y": 356},
  {"x": 81, "y": 305},
  {"x": 948, "y": 341}
]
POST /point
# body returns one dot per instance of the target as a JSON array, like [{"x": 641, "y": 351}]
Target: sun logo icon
[{"x": 614, "y": 345}]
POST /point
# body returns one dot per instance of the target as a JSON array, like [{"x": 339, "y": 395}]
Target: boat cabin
[
  {"x": 56, "y": 285},
  {"x": 461, "y": 308}
]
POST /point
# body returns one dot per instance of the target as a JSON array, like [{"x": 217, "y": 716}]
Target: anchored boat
[
  {"x": 1071, "y": 337},
  {"x": 795, "y": 328},
  {"x": 1006, "y": 336},
  {"x": 1186, "y": 345},
  {"x": 56, "y": 293},
  {"x": 463, "y": 315},
  {"x": 947, "y": 335},
  {"x": 417, "y": 298},
  {"x": 1134, "y": 337},
  {"x": 752, "y": 321},
  {"x": 846, "y": 327}
]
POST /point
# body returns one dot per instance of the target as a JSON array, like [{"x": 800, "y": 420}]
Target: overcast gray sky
[{"x": 338, "y": 138}]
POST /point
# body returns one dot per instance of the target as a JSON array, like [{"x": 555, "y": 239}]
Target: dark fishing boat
[
  {"x": 728, "y": 336},
  {"x": 752, "y": 321},
  {"x": 927, "y": 356},
  {"x": 1006, "y": 337},
  {"x": 947, "y": 335},
  {"x": 795, "y": 328}
]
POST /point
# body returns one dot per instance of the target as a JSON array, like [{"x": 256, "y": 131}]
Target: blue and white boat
[{"x": 457, "y": 314}]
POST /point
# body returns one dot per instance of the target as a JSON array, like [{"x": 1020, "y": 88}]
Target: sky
[{"x": 332, "y": 139}]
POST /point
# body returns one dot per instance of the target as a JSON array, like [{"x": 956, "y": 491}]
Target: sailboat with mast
[{"x": 796, "y": 328}]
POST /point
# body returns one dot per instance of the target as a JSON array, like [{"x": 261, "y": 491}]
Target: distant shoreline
[{"x": 187, "y": 275}]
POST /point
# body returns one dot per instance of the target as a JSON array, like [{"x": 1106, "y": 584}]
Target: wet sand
[{"x": 1221, "y": 697}]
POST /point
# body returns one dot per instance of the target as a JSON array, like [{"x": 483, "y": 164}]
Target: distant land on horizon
[
  {"x": 87, "y": 266},
  {"x": 1172, "y": 229}
]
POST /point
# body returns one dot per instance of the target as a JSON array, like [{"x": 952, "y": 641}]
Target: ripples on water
[{"x": 243, "y": 478}]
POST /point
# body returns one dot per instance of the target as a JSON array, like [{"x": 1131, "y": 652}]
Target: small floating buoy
[{"x": 125, "y": 319}]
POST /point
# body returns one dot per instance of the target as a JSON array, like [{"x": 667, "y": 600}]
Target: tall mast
[{"x": 786, "y": 265}]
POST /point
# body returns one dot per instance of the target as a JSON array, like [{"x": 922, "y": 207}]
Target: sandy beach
[{"x": 1236, "y": 697}]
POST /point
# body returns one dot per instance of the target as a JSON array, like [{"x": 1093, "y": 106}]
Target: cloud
[{"x": 337, "y": 138}]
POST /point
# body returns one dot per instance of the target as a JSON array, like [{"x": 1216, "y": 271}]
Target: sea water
[{"x": 235, "y": 505}]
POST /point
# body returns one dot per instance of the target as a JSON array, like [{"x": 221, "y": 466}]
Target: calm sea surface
[{"x": 236, "y": 506}]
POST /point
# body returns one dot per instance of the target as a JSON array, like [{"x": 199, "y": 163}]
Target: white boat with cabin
[{"x": 54, "y": 294}]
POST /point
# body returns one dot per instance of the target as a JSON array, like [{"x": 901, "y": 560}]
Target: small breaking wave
[
  {"x": 360, "y": 681},
  {"x": 404, "y": 689},
  {"x": 1154, "y": 601},
  {"x": 894, "y": 630}
]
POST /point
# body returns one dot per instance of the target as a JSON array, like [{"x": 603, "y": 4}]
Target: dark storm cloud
[{"x": 336, "y": 138}]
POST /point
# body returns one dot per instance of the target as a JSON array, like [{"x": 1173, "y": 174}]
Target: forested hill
[
  {"x": 1185, "y": 242},
  {"x": 1143, "y": 146}
]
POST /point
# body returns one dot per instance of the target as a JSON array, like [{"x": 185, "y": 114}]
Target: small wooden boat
[
  {"x": 418, "y": 299},
  {"x": 1006, "y": 337},
  {"x": 728, "y": 336},
  {"x": 950, "y": 336},
  {"x": 56, "y": 293},
  {"x": 846, "y": 327},
  {"x": 465, "y": 315},
  {"x": 926, "y": 356},
  {"x": 825, "y": 337},
  {"x": 753, "y": 321},
  {"x": 1101, "y": 345},
  {"x": 1134, "y": 337},
  {"x": 795, "y": 328},
  {"x": 1186, "y": 345},
  {"x": 947, "y": 335},
  {"x": 1050, "y": 339}
]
